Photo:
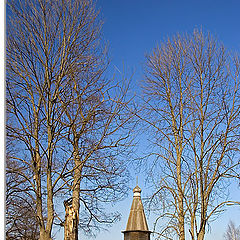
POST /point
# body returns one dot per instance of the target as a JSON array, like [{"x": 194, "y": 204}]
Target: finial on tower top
[
  {"x": 136, "y": 180},
  {"x": 137, "y": 191}
]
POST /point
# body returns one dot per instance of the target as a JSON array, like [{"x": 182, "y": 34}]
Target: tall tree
[
  {"x": 97, "y": 120},
  {"x": 192, "y": 106},
  {"x": 62, "y": 114}
]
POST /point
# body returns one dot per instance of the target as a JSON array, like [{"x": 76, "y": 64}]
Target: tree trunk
[
  {"x": 72, "y": 206},
  {"x": 201, "y": 234},
  {"x": 181, "y": 216},
  {"x": 44, "y": 235},
  {"x": 71, "y": 222}
]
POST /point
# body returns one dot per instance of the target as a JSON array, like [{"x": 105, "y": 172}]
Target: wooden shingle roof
[{"x": 137, "y": 219}]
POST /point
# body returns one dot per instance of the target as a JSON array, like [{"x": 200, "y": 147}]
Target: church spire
[{"x": 137, "y": 227}]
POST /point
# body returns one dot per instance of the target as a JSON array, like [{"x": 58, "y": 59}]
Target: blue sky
[{"x": 134, "y": 27}]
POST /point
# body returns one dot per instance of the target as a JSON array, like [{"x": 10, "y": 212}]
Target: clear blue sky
[{"x": 134, "y": 27}]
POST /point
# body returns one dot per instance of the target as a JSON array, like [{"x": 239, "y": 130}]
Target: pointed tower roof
[{"x": 137, "y": 220}]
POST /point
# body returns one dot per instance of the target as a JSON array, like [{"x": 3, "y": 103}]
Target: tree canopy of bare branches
[
  {"x": 68, "y": 123},
  {"x": 192, "y": 105}
]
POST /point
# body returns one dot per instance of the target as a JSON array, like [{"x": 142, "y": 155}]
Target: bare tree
[
  {"x": 68, "y": 122},
  {"x": 233, "y": 232},
  {"x": 192, "y": 104},
  {"x": 97, "y": 120}
]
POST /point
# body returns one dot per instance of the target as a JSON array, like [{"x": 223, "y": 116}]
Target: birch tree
[{"x": 191, "y": 102}]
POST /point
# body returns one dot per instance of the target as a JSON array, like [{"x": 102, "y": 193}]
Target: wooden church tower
[{"x": 137, "y": 228}]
